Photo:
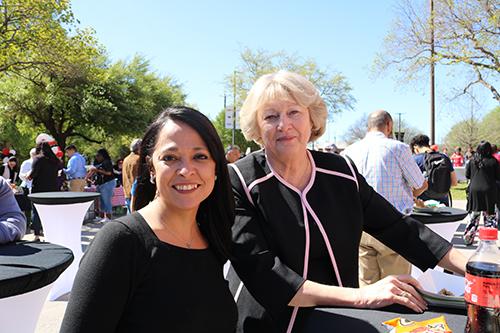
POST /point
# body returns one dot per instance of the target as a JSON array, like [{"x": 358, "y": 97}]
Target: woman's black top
[
  {"x": 44, "y": 173},
  {"x": 482, "y": 192},
  {"x": 105, "y": 165},
  {"x": 130, "y": 281},
  {"x": 277, "y": 227},
  {"x": 13, "y": 173}
]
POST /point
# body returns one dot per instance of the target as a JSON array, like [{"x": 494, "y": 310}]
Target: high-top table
[
  {"x": 370, "y": 320},
  {"x": 444, "y": 222},
  {"x": 27, "y": 272},
  {"x": 442, "y": 215},
  {"x": 62, "y": 214}
]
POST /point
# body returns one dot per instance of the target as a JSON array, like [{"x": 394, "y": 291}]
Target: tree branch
[
  {"x": 496, "y": 94},
  {"x": 84, "y": 137}
]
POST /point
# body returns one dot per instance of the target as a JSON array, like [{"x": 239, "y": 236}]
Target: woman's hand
[{"x": 392, "y": 289}]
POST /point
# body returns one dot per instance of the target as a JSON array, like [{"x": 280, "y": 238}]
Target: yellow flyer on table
[{"x": 402, "y": 325}]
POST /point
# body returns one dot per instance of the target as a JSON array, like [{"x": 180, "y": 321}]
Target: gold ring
[{"x": 404, "y": 294}]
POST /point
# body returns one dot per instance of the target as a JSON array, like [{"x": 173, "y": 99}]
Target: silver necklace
[{"x": 181, "y": 239}]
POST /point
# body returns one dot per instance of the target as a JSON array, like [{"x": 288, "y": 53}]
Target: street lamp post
[
  {"x": 432, "y": 83},
  {"x": 234, "y": 107}
]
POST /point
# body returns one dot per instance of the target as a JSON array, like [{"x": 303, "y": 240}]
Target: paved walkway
[{"x": 52, "y": 312}]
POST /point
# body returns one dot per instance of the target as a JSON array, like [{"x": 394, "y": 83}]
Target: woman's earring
[
  {"x": 215, "y": 177},
  {"x": 152, "y": 179}
]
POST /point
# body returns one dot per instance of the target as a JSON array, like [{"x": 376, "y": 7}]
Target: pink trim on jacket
[
  {"x": 242, "y": 181},
  {"x": 260, "y": 180},
  {"x": 336, "y": 173},
  {"x": 352, "y": 170},
  {"x": 306, "y": 207}
]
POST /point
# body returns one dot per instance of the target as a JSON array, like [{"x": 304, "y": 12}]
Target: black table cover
[
  {"x": 445, "y": 214},
  {"x": 23, "y": 201},
  {"x": 370, "y": 320},
  {"x": 27, "y": 266},
  {"x": 61, "y": 198}
]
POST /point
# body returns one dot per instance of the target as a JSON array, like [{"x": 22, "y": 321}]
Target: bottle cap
[{"x": 488, "y": 233}]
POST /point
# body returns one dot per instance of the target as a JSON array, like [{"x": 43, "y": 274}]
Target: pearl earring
[{"x": 152, "y": 179}]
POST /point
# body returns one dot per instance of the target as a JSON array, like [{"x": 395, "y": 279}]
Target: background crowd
[
  {"x": 99, "y": 172},
  {"x": 178, "y": 180}
]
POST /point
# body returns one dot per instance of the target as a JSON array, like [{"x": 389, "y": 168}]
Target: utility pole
[
  {"x": 234, "y": 106},
  {"x": 399, "y": 136},
  {"x": 433, "y": 131}
]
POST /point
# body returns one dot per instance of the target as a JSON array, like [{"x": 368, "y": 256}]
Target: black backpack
[{"x": 438, "y": 174}]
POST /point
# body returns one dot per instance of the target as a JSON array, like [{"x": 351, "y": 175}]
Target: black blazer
[{"x": 274, "y": 221}]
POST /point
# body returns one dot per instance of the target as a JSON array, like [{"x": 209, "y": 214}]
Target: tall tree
[
  {"x": 86, "y": 99},
  {"x": 489, "y": 128},
  {"x": 16, "y": 136},
  {"x": 464, "y": 134},
  {"x": 32, "y": 32},
  {"x": 357, "y": 131},
  {"x": 466, "y": 40},
  {"x": 470, "y": 131},
  {"x": 333, "y": 86}
]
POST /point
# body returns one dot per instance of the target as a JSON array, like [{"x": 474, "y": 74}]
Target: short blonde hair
[{"x": 282, "y": 85}]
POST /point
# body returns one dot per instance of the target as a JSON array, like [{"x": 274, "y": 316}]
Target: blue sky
[{"x": 198, "y": 43}]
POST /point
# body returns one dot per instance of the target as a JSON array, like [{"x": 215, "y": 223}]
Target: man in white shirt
[
  {"x": 390, "y": 169},
  {"x": 25, "y": 171}
]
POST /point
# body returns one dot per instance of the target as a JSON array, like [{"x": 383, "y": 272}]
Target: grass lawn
[{"x": 458, "y": 192}]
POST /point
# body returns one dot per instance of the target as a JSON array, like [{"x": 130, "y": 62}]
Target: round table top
[
  {"x": 62, "y": 198},
  {"x": 27, "y": 266},
  {"x": 443, "y": 215},
  {"x": 370, "y": 320}
]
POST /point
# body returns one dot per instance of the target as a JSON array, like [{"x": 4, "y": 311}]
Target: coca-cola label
[{"x": 482, "y": 291}]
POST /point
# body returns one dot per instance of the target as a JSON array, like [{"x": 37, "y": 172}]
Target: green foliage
[
  {"x": 471, "y": 131},
  {"x": 117, "y": 146},
  {"x": 17, "y": 136},
  {"x": 463, "y": 134},
  {"x": 466, "y": 39},
  {"x": 32, "y": 34},
  {"x": 94, "y": 103},
  {"x": 333, "y": 86},
  {"x": 226, "y": 135},
  {"x": 459, "y": 192},
  {"x": 56, "y": 78},
  {"x": 489, "y": 128}
]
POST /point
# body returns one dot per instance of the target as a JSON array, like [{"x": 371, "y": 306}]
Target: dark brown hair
[{"x": 216, "y": 213}]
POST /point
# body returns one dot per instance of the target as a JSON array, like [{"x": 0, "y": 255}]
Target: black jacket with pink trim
[{"x": 273, "y": 221}]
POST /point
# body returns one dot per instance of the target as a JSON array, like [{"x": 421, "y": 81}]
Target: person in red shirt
[
  {"x": 457, "y": 158},
  {"x": 496, "y": 153}
]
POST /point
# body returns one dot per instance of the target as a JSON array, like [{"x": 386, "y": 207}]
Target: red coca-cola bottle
[{"x": 482, "y": 285}]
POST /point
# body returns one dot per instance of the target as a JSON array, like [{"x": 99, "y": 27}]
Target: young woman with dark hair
[
  {"x": 10, "y": 170},
  {"x": 483, "y": 171},
  {"x": 160, "y": 268},
  {"x": 218, "y": 209},
  {"x": 44, "y": 174},
  {"x": 104, "y": 178}
]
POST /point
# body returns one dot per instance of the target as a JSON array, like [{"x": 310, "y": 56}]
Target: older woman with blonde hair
[{"x": 300, "y": 214}]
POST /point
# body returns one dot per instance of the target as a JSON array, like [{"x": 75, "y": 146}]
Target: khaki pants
[
  {"x": 77, "y": 185},
  {"x": 377, "y": 261}
]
